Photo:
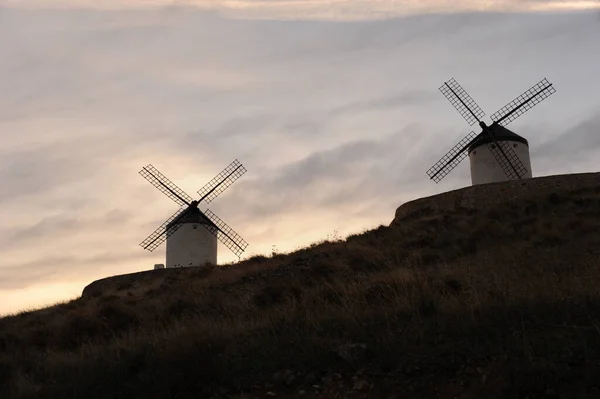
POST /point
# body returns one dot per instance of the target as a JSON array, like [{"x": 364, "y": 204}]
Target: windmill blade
[
  {"x": 462, "y": 101},
  {"x": 220, "y": 182},
  {"x": 508, "y": 159},
  {"x": 530, "y": 98},
  {"x": 160, "y": 235},
  {"x": 452, "y": 158},
  {"x": 230, "y": 238},
  {"x": 165, "y": 185}
]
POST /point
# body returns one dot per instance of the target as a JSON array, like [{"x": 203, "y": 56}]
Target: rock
[
  {"x": 351, "y": 352},
  {"x": 311, "y": 378},
  {"x": 289, "y": 379},
  {"x": 360, "y": 384},
  {"x": 271, "y": 393},
  {"x": 327, "y": 380},
  {"x": 301, "y": 392},
  {"x": 277, "y": 376}
]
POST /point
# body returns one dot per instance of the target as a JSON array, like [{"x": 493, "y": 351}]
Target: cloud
[
  {"x": 343, "y": 182},
  {"x": 570, "y": 151},
  {"x": 57, "y": 269},
  {"x": 409, "y": 98},
  {"x": 67, "y": 247},
  {"x": 329, "y": 10},
  {"x": 43, "y": 170},
  {"x": 64, "y": 226}
]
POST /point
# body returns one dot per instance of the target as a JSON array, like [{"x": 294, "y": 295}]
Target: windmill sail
[
  {"x": 462, "y": 101},
  {"x": 451, "y": 160},
  {"x": 221, "y": 182},
  {"x": 228, "y": 236},
  {"x": 165, "y": 185},
  {"x": 523, "y": 103},
  {"x": 161, "y": 233},
  {"x": 508, "y": 160}
]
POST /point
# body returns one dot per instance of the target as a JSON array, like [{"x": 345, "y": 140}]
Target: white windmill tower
[
  {"x": 496, "y": 154},
  {"x": 190, "y": 233}
]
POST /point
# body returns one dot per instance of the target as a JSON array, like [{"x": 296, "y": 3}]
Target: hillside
[{"x": 484, "y": 292}]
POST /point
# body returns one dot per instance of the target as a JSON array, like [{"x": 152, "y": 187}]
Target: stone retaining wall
[{"x": 486, "y": 195}]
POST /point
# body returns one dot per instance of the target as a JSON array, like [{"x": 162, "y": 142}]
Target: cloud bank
[{"x": 323, "y": 10}]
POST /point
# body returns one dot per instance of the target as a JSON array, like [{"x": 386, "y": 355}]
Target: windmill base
[
  {"x": 486, "y": 169},
  {"x": 192, "y": 245}
]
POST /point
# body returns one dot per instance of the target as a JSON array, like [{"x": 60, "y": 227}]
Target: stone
[
  {"x": 351, "y": 352},
  {"x": 360, "y": 384},
  {"x": 289, "y": 378}
]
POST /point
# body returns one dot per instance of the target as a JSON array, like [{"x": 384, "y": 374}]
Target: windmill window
[
  {"x": 493, "y": 146},
  {"x": 514, "y": 145},
  {"x": 474, "y": 152}
]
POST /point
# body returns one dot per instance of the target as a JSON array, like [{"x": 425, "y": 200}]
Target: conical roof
[
  {"x": 191, "y": 215},
  {"x": 500, "y": 134}
]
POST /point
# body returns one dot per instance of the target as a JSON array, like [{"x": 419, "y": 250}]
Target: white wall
[
  {"x": 191, "y": 245},
  {"x": 486, "y": 169}
]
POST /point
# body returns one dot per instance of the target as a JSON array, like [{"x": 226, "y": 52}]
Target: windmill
[
  {"x": 190, "y": 233},
  {"x": 496, "y": 154}
]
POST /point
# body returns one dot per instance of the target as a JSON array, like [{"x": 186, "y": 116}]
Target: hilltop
[{"x": 487, "y": 291}]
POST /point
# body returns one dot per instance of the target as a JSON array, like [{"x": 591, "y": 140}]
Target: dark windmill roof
[
  {"x": 191, "y": 215},
  {"x": 500, "y": 134}
]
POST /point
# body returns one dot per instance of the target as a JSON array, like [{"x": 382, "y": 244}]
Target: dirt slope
[{"x": 489, "y": 291}]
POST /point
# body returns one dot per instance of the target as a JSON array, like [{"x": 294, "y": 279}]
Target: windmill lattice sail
[
  {"x": 508, "y": 160},
  {"x": 229, "y": 237},
  {"x": 451, "y": 160},
  {"x": 165, "y": 185},
  {"x": 161, "y": 234},
  {"x": 222, "y": 181},
  {"x": 524, "y": 102},
  {"x": 462, "y": 101}
]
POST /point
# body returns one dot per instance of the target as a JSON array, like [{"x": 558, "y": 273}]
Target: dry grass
[{"x": 501, "y": 300}]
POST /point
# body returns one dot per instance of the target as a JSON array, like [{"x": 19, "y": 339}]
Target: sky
[{"x": 332, "y": 106}]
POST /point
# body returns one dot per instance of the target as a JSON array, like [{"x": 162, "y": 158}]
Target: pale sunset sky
[{"x": 332, "y": 106}]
